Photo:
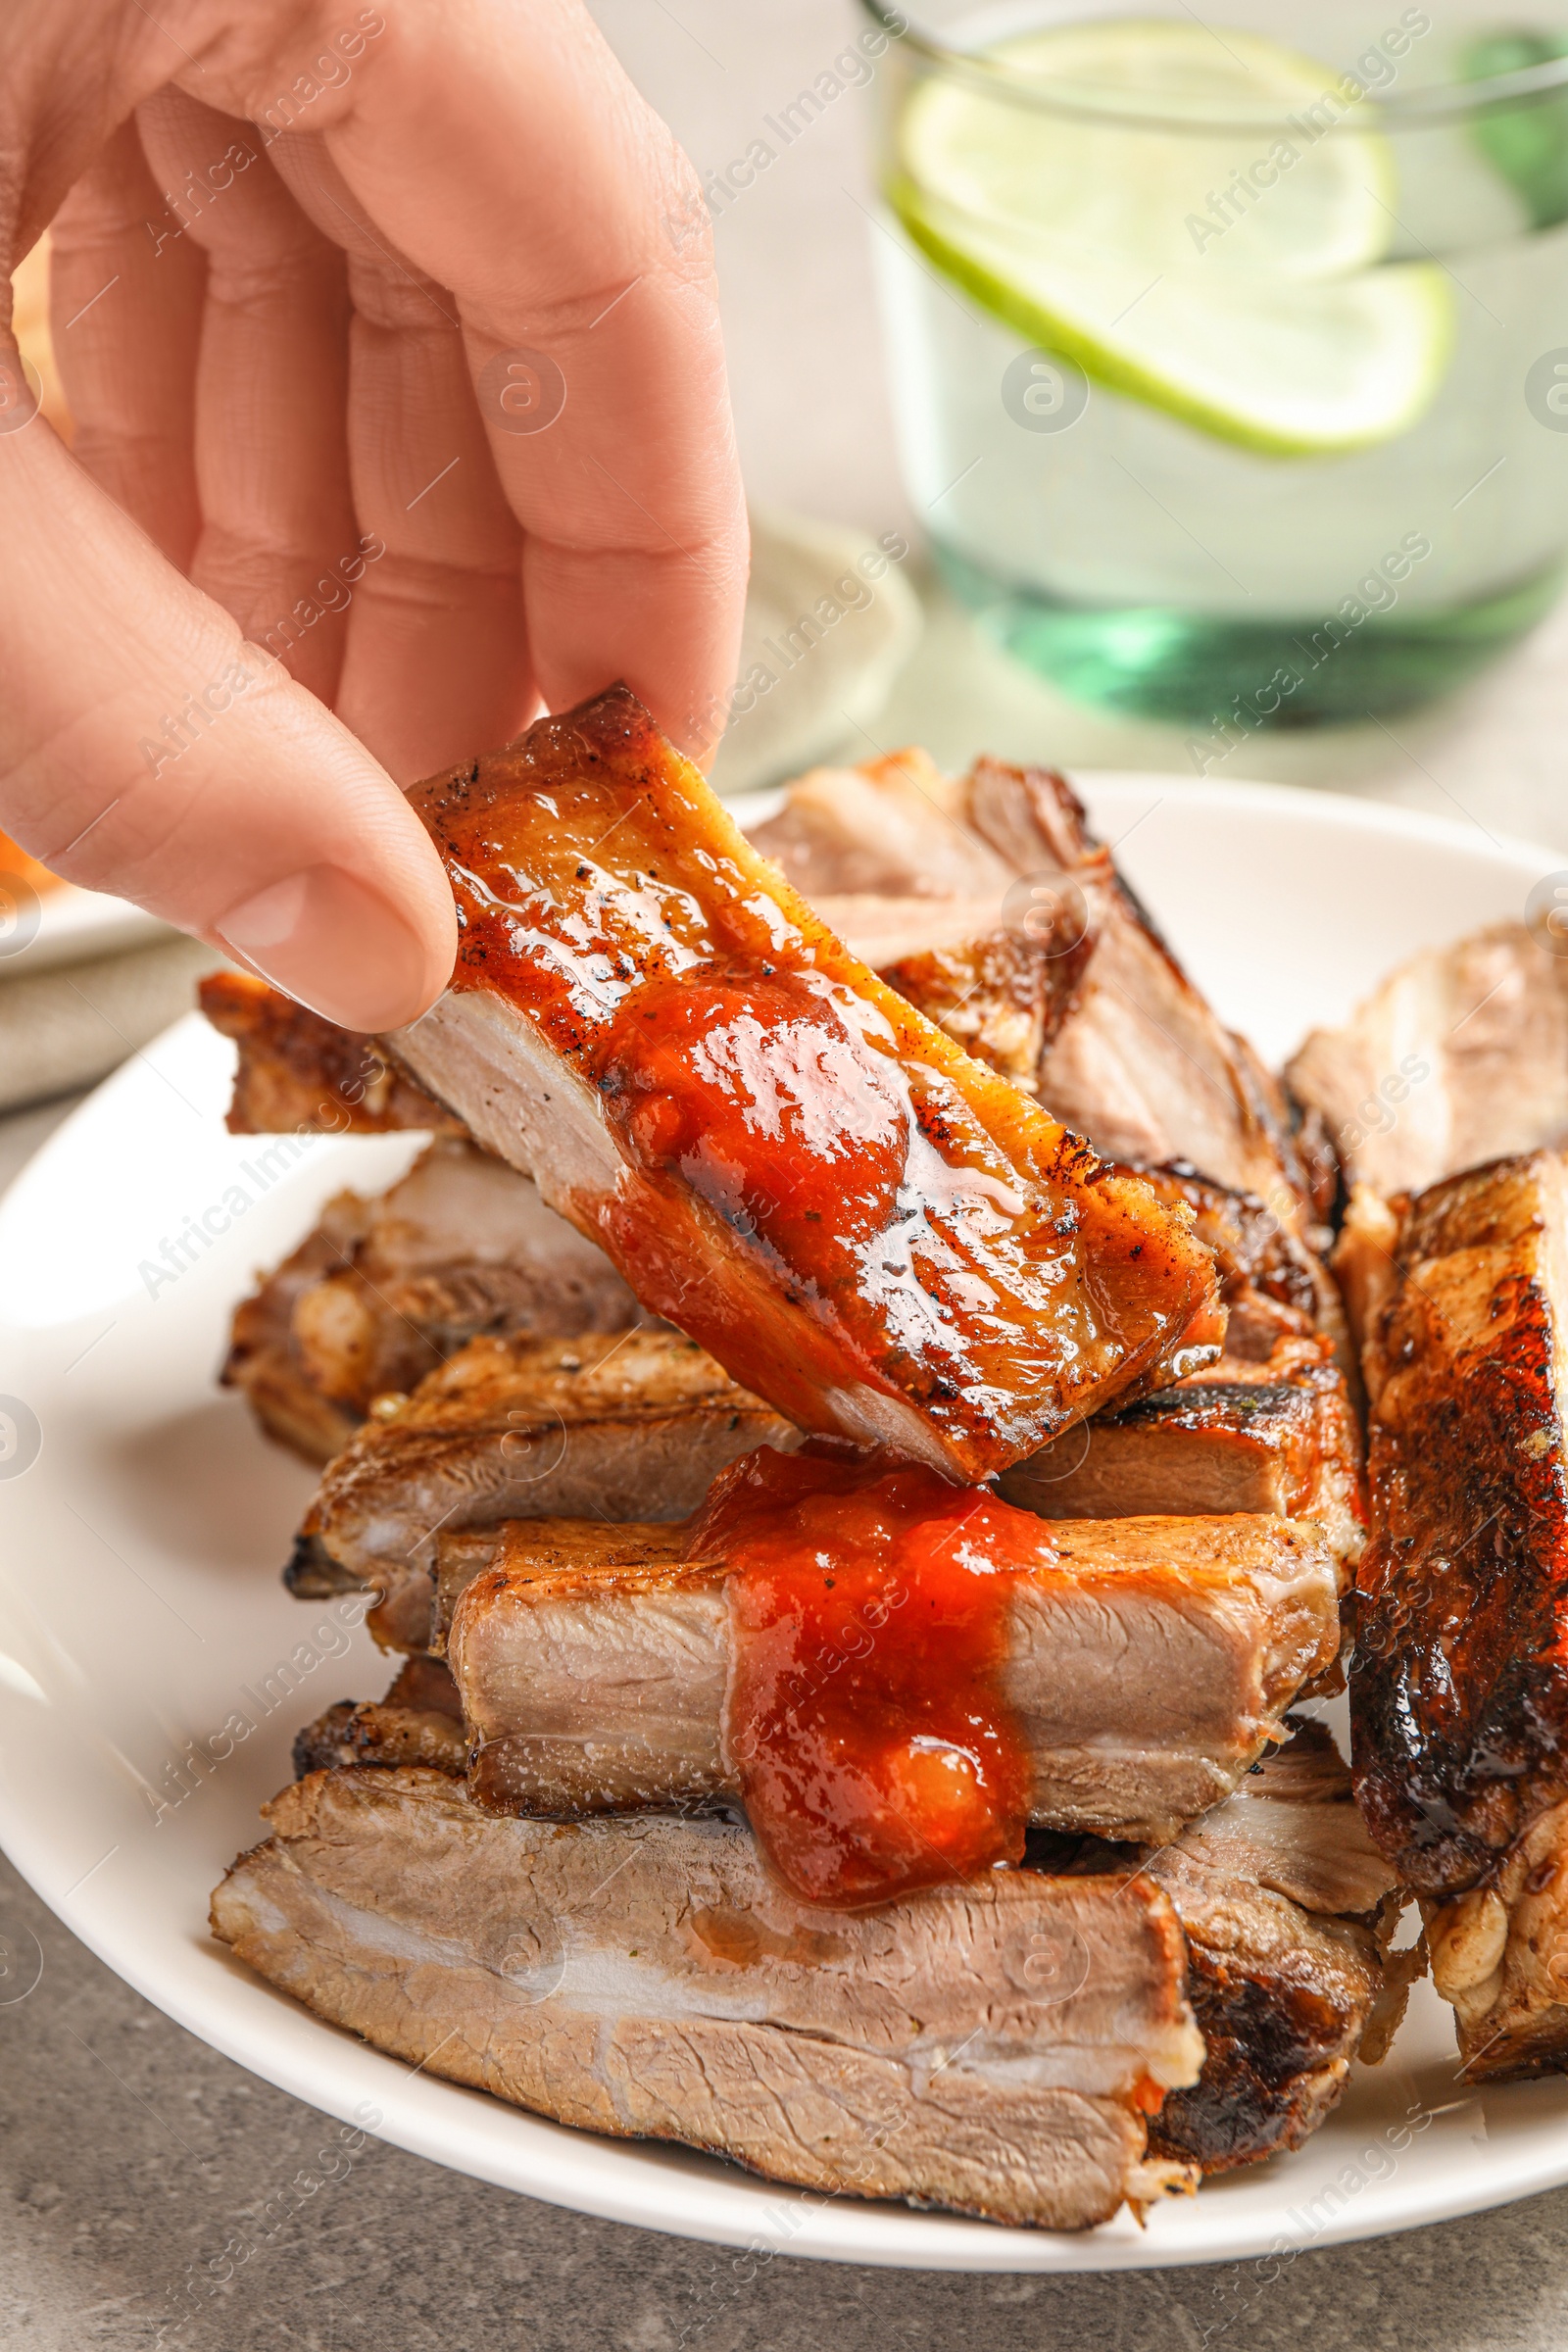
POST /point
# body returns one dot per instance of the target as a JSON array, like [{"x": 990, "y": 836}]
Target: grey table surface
[{"x": 129, "y": 2152}]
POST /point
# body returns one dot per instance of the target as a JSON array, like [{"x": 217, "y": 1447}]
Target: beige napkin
[{"x": 72, "y": 1025}]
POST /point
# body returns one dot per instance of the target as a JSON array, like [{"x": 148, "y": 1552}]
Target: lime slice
[
  {"x": 1291, "y": 369},
  {"x": 1124, "y": 243}
]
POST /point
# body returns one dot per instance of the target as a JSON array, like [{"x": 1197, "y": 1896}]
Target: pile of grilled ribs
[{"x": 854, "y": 1429}]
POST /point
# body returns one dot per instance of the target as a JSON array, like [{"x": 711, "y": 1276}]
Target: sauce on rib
[
  {"x": 884, "y": 1238},
  {"x": 779, "y": 1115},
  {"x": 868, "y": 1612}
]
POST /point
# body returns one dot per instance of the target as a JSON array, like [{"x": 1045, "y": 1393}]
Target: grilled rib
[
  {"x": 1459, "y": 1056},
  {"x": 640, "y": 1424},
  {"x": 647, "y": 1979},
  {"x": 419, "y": 1721},
  {"x": 1459, "y": 1688},
  {"x": 1283, "y": 1900},
  {"x": 299, "y": 1075},
  {"x": 262, "y": 1360},
  {"x": 1148, "y": 1662},
  {"x": 973, "y": 1279},
  {"x": 1278, "y": 1436},
  {"x": 385, "y": 1290}
]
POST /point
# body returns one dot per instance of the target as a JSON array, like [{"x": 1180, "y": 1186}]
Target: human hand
[{"x": 328, "y": 521}]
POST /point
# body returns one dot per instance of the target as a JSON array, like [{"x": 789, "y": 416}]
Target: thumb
[{"x": 147, "y": 749}]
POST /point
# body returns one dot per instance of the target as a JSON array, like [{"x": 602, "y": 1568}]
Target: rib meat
[
  {"x": 1143, "y": 1067},
  {"x": 1278, "y": 1436},
  {"x": 509, "y": 1428},
  {"x": 1271, "y": 1285},
  {"x": 1459, "y": 1682},
  {"x": 1139, "y": 1064},
  {"x": 1002, "y": 995},
  {"x": 262, "y": 1360},
  {"x": 419, "y": 1721},
  {"x": 299, "y": 1075},
  {"x": 646, "y": 1979},
  {"x": 891, "y": 829},
  {"x": 884, "y": 1238},
  {"x": 1284, "y": 1898},
  {"x": 1148, "y": 1661},
  {"x": 1461, "y": 1055},
  {"x": 387, "y": 1289}
]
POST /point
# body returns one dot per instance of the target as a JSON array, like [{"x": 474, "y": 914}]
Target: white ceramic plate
[
  {"x": 67, "y": 925},
  {"x": 140, "y": 1606}
]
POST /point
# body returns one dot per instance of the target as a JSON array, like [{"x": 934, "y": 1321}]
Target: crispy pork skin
[
  {"x": 1279, "y": 1435},
  {"x": 387, "y": 1289},
  {"x": 647, "y": 1980},
  {"x": 1147, "y": 1663},
  {"x": 1458, "y": 1687},
  {"x": 885, "y": 1239},
  {"x": 1461, "y": 1055},
  {"x": 640, "y": 1424},
  {"x": 300, "y": 1074}
]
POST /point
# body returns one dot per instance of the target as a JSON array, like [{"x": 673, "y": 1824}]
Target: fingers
[
  {"x": 496, "y": 145},
  {"x": 437, "y": 656},
  {"x": 504, "y": 153},
  {"x": 145, "y": 748},
  {"x": 271, "y": 454},
  {"x": 125, "y": 298}
]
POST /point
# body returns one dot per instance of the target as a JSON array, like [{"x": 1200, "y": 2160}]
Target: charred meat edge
[
  {"x": 1278, "y": 1436},
  {"x": 299, "y": 1074},
  {"x": 1459, "y": 1694},
  {"x": 1287, "y": 1907}
]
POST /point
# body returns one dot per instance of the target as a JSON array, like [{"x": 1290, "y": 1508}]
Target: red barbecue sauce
[
  {"x": 755, "y": 1090},
  {"x": 869, "y": 1615}
]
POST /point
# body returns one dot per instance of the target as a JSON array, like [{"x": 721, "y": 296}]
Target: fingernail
[{"x": 334, "y": 946}]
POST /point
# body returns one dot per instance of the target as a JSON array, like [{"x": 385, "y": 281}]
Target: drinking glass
[{"x": 1230, "y": 358}]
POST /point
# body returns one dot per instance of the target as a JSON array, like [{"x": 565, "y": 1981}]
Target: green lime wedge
[{"x": 1227, "y": 273}]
